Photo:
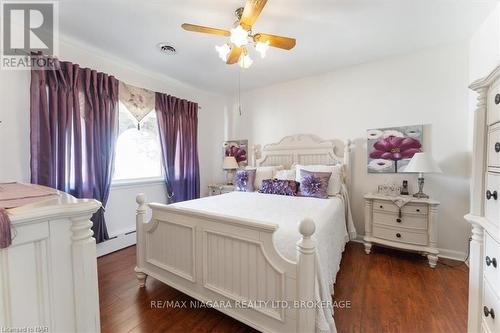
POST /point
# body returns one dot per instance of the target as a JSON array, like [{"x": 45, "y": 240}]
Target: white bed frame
[{"x": 220, "y": 260}]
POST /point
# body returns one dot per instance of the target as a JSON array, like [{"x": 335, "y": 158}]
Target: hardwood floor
[{"x": 389, "y": 291}]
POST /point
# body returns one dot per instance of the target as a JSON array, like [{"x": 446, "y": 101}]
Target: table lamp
[
  {"x": 422, "y": 163},
  {"x": 230, "y": 165}
]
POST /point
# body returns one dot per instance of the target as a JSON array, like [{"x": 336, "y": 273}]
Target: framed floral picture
[
  {"x": 390, "y": 149},
  {"x": 238, "y": 149}
]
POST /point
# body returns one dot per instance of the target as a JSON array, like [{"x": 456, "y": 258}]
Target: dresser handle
[
  {"x": 490, "y": 261},
  {"x": 489, "y": 312},
  {"x": 398, "y": 220},
  {"x": 381, "y": 206},
  {"x": 497, "y": 147},
  {"x": 490, "y": 195},
  {"x": 497, "y": 99},
  {"x": 418, "y": 210},
  {"x": 398, "y": 235}
]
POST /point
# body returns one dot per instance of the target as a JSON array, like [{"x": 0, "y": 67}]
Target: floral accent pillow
[
  {"x": 279, "y": 186},
  {"x": 314, "y": 184},
  {"x": 244, "y": 179}
]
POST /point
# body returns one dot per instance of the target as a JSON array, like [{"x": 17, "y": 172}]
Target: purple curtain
[
  {"x": 74, "y": 121},
  {"x": 178, "y": 126}
]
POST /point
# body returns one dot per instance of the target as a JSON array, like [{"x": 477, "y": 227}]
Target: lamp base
[
  {"x": 229, "y": 177},
  {"x": 420, "y": 194}
]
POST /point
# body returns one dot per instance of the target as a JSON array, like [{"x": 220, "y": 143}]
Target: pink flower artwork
[
  {"x": 238, "y": 149},
  {"x": 389, "y": 150}
]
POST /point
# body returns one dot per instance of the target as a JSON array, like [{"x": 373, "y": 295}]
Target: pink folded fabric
[{"x": 14, "y": 195}]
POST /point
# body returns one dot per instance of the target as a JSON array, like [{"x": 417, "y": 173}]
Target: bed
[{"x": 253, "y": 256}]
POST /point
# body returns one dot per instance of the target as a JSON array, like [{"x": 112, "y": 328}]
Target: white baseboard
[
  {"x": 116, "y": 243},
  {"x": 443, "y": 253}
]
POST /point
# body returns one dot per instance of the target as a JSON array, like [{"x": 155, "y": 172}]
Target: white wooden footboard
[{"x": 229, "y": 263}]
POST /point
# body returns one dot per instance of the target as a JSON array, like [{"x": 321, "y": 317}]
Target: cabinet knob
[
  {"x": 497, "y": 99},
  {"x": 398, "y": 235},
  {"x": 489, "y": 312},
  {"x": 490, "y": 261},
  {"x": 497, "y": 147},
  {"x": 398, "y": 220},
  {"x": 490, "y": 195},
  {"x": 418, "y": 210},
  {"x": 381, "y": 206}
]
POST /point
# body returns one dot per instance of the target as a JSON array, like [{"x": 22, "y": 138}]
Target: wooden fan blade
[
  {"x": 206, "y": 30},
  {"x": 234, "y": 55},
  {"x": 251, "y": 12},
  {"x": 276, "y": 41}
]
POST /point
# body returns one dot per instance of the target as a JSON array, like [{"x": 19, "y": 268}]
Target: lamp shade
[
  {"x": 230, "y": 163},
  {"x": 423, "y": 163}
]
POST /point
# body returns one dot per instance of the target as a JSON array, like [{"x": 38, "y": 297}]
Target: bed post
[
  {"x": 140, "y": 220},
  {"x": 306, "y": 276},
  {"x": 347, "y": 163}
]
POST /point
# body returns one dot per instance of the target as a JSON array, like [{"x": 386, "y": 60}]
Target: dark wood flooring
[{"x": 389, "y": 291}]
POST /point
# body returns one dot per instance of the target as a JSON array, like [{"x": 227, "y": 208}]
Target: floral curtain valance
[{"x": 139, "y": 101}]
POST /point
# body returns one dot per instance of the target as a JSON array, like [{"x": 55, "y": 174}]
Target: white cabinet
[
  {"x": 48, "y": 276},
  {"x": 484, "y": 216},
  {"x": 412, "y": 227}
]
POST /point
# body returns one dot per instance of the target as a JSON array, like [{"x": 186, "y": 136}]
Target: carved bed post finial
[
  {"x": 347, "y": 162},
  {"x": 140, "y": 220},
  {"x": 306, "y": 275}
]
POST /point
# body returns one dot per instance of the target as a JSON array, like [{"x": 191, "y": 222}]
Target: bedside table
[
  {"x": 413, "y": 227},
  {"x": 215, "y": 189}
]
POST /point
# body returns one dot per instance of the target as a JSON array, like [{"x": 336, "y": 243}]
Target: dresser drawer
[
  {"x": 401, "y": 236},
  {"x": 410, "y": 208},
  {"x": 492, "y": 197},
  {"x": 405, "y": 221},
  {"x": 494, "y": 146},
  {"x": 491, "y": 263},
  {"x": 493, "y": 102},
  {"x": 490, "y": 310}
]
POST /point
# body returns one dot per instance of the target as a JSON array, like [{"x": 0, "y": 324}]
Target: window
[{"x": 138, "y": 151}]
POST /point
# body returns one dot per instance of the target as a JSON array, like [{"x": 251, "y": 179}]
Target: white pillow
[
  {"x": 266, "y": 172},
  {"x": 288, "y": 174},
  {"x": 335, "y": 183}
]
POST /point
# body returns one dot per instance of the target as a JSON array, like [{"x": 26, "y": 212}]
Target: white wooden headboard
[{"x": 305, "y": 149}]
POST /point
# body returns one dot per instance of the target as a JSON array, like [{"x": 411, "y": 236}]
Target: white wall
[
  {"x": 429, "y": 87},
  {"x": 15, "y": 129}
]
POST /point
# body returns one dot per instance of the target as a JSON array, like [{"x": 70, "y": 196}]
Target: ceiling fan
[{"x": 241, "y": 35}]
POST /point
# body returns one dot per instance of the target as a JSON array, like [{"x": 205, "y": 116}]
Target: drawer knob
[
  {"x": 398, "y": 220},
  {"x": 418, "y": 210},
  {"x": 381, "y": 206},
  {"x": 490, "y": 261},
  {"x": 490, "y": 195},
  {"x": 489, "y": 312},
  {"x": 398, "y": 235},
  {"x": 497, "y": 147},
  {"x": 497, "y": 99}
]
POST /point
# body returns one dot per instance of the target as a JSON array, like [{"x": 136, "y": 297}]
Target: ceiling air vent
[{"x": 167, "y": 49}]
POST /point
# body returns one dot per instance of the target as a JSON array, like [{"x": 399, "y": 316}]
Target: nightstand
[
  {"x": 215, "y": 189},
  {"x": 413, "y": 227}
]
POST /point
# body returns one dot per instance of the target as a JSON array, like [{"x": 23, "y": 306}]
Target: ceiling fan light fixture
[
  {"x": 223, "y": 51},
  {"x": 239, "y": 36},
  {"x": 262, "y": 48},
  {"x": 245, "y": 61}
]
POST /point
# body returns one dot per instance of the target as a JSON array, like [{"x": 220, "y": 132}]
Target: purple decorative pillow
[
  {"x": 314, "y": 184},
  {"x": 244, "y": 179},
  {"x": 279, "y": 186}
]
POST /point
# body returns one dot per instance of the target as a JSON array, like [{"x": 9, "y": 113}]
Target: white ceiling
[{"x": 330, "y": 34}]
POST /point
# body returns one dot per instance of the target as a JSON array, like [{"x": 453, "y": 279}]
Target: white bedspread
[{"x": 331, "y": 233}]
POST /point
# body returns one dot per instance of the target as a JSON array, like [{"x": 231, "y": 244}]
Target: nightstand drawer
[
  {"x": 401, "y": 236},
  {"x": 405, "y": 221},
  {"x": 491, "y": 262},
  {"x": 490, "y": 308},
  {"x": 410, "y": 208}
]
